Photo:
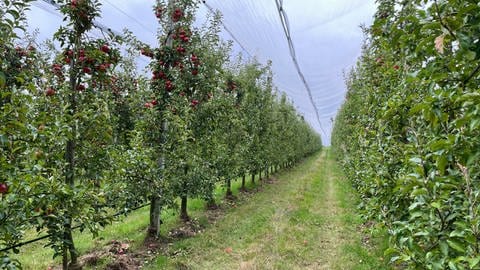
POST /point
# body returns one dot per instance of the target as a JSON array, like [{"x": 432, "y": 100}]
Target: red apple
[
  {"x": 57, "y": 68},
  {"x": 102, "y": 67},
  {"x": 180, "y": 49},
  {"x": 158, "y": 12},
  {"x": 158, "y": 75},
  {"x": 105, "y": 48},
  {"x": 194, "y": 103},
  {"x": 154, "y": 102},
  {"x": 177, "y": 14},
  {"x": 3, "y": 188},
  {"x": 194, "y": 58},
  {"x": 168, "y": 85},
  {"x": 148, "y": 105},
  {"x": 50, "y": 92},
  {"x": 195, "y": 72},
  {"x": 87, "y": 70}
]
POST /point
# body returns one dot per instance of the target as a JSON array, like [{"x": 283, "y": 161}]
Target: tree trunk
[
  {"x": 243, "y": 183},
  {"x": 155, "y": 203},
  {"x": 260, "y": 175},
  {"x": 253, "y": 177},
  {"x": 68, "y": 247},
  {"x": 68, "y": 244},
  {"x": 183, "y": 204},
  {"x": 267, "y": 173},
  {"x": 229, "y": 188},
  {"x": 183, "y": 209},
  {"x": 155, "y": 209}
]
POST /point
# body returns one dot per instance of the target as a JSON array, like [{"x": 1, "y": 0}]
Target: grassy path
[{"x": 304, "y": 220}]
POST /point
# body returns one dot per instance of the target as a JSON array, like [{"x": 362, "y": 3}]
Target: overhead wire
[
  {"x": 55, "y": 13},
  {"x": 95, "y": 23},
  {"x": 251, "y": 7},
  {"x": 285, "y": 26},
  {"x": 286, "y": 29},
  {"x": 131, "y": 17},
  {"x": 228, "y": 31}
]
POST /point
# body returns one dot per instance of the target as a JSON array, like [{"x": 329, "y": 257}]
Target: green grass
[
  {"x": 360, "y": 255},
  {"x": 305, "y": 220},
  {"x": 131, "y": 229}
]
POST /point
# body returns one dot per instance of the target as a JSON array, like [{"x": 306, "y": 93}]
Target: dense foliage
[
  {"x": 408, "y": 133},
  {"x": 84, "y": 136}
]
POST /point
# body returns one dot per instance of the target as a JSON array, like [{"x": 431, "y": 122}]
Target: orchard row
[
  {"x": 409, "y": 132},
  {"x": 84, "y": 135}
]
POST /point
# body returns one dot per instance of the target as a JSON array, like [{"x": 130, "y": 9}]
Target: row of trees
[
  {"x": 84, "y": 135},
  {"x": 408, "y": 133}
]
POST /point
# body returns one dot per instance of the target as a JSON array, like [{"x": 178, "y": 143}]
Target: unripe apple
[{"x": 38, "y": 154}]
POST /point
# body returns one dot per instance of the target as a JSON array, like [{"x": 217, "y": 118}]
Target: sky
[{"x": 326, "y": 35}]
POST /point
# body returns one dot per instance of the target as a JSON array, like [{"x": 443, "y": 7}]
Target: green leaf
[
  {"x": 444, "y": 248},
  {"x": 416, "y": 160},
  {"x": 416, "y": 214},
  {"x": 472, "y": 262},
  {"x": 390, "y": 251},
  {"x": 3, "y": 139},
  {"x": 418, "y": 192},
  {"x": 456, "y": 245},
  {"x": 438, "y": 145},
  {"x": 470, "y": 55},
  {"x": 442, "y": 164},
  {"x": 3, "y": 80},
  {"x": 452, "y": 265},
  {"x": 14, "y": 13},
  {"x": 436, "y": 205}
]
